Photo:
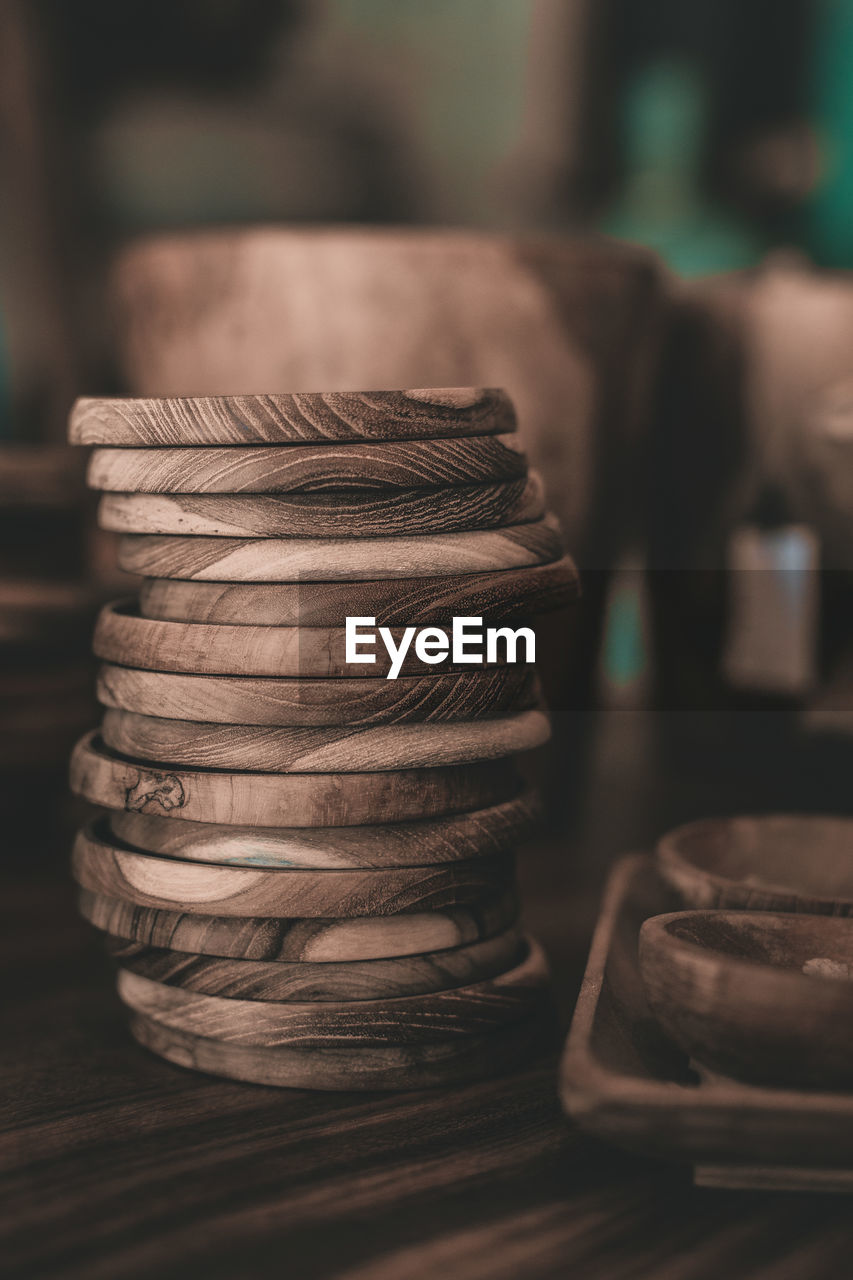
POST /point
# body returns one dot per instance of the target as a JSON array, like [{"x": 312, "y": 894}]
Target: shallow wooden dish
[
  {"x": 490, "y": 832},
  {"x": 393, "y": 1067},
  {"x": 498, "y": 595},
  {"x": 623, "y": 1079},
  {"x": 273, "y": 799},
  {"x": 322, "y": 980},
  {"x": 761, "y": 996},
  {"x": 774, "y": 863},
  {"x": 267, "y": 749},
  {"x": 335, "y": 514},
  {"x": 311, "y": 938},
  {"x": 289, "y": 419},
  {"x": 306, "y": 468},
  {"x": 474, "y": 1010},
  {"x": 339, "y": 560},
  {"x": 108, "y": 867},
  {"x": 484, "y": 692}
]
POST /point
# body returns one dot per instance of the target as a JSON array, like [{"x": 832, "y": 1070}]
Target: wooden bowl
[
  {"x": 774, "y": 863},
  {"x": 765, "y": 997}
]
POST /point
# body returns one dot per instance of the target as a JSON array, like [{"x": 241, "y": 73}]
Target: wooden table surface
[{"x": 116, "y": 1164}]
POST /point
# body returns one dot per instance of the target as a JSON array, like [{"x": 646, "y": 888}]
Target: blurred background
[{"x": 652, "y": 206}]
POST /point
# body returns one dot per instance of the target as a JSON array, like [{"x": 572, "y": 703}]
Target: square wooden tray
[{"x": 623, "y": 1080}]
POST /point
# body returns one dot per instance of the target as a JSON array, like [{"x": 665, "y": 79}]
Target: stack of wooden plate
[{"x": 307, "y": 871}]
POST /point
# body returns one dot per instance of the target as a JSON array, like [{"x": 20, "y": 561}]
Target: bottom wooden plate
[
  {"x": 423, "y": 1066},
  {"x": 624, "y": 1080},
  {"x": 476, "y": 1009},
  {"x": 322, "y": 980}
]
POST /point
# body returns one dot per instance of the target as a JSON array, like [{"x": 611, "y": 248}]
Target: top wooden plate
[
  {"x": 279, "y": 419},
  {"x": 306, "y": 468},
  {"x": 773, "y": 863}
]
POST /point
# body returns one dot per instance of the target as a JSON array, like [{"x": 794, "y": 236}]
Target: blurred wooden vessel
[{"x": 624, "y": 1080}]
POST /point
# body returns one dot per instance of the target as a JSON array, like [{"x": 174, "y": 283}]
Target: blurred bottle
[{"x": 662, "y": 204}]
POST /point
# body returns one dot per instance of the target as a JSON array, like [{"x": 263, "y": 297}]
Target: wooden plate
[
  {"x": 341, "y": 939},
  {"x": 422, "y": 1066},
  {"x": 501, "y": 594},
  {"x": 761, "y": 996},
  {"x": 303, "y": 468},
  {"x": 114, "y": 870},
  {"x": 305, "y": 980},
  {"x": 338, "y": 514},
  {"x": 267, "y": 749},
  {"x": 470, "y": 695},
  {"x": 123, "y": 637},
  {"x": 488, "y": 832},
  {"x": 272, "y": 799},
  {"x": 281, "y": 419},
  {"x": 777, "y": 862},
  {"x": 474, "y": 1010},
  {"x": 344, "y": 560}
]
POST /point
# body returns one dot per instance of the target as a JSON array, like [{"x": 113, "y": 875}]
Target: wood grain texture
[
  {"x": 123, "y": 637},
  {"x": 298, "y": 799},
  {"x": 338, "y": 514},
  {"x": 764, "y": 997},
  {"x": 104, "y": 1144},
  {"x": 273, "y": 750},
  {"x": 344, "y": 560},
  {"x": 305, "y": 980},
  {"x": 113, "y": 870},
  {"x": 413, "y": 1066},
  {"x": 282, "y": 419},
  {"x": 458, "y": 1012},
  {"x": 775, "y": 862},
  {"x": 265, "y": 938},
  {"x": 503, "y": 595},
  {"x": 475, "y": 694},
  {"x": 304, "y": 468},
  {"x": 491, "y": 832}
]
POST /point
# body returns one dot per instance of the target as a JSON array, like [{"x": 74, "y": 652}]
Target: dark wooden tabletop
[{"x": 116, "y": 1164}]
